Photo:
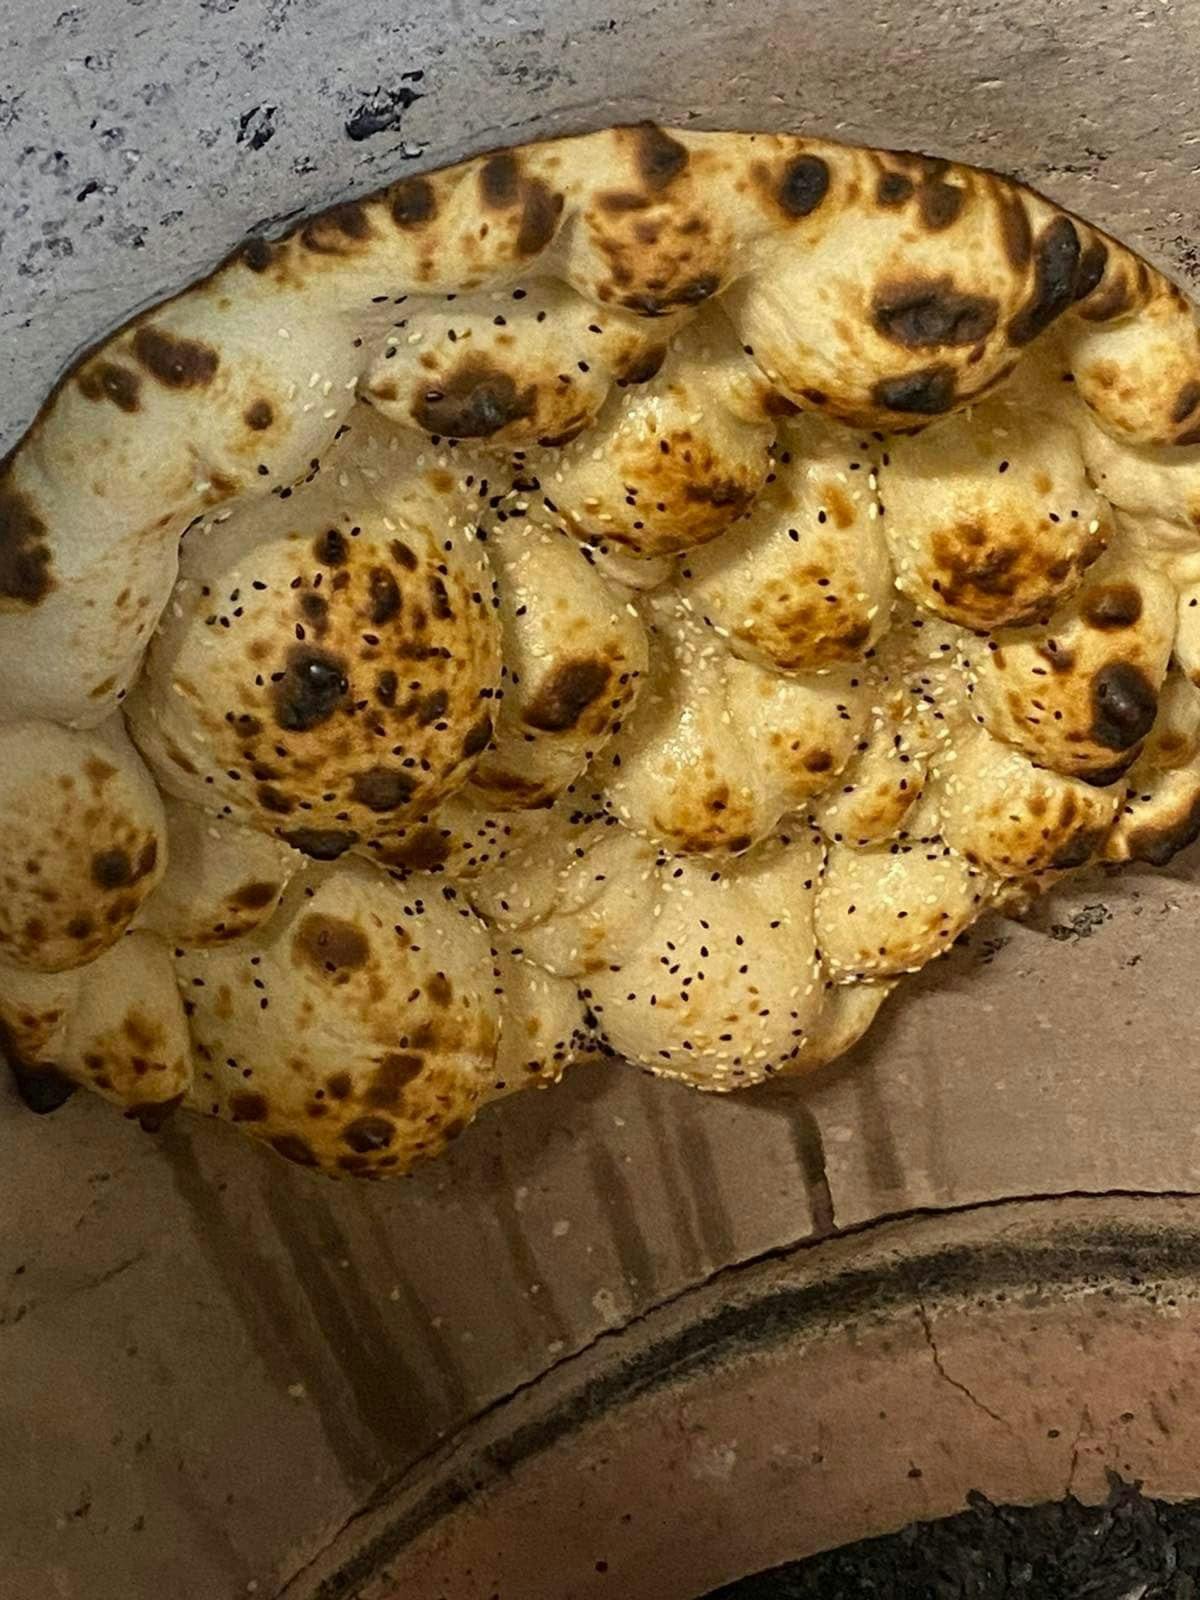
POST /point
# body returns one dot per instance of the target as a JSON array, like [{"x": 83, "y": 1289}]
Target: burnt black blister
[
  {"x": 310, "y": 690},
  {"x": 1124, "y": 705},
  {"x": 42, "y": 1089},
  {"x": 1055, "y": 269}
]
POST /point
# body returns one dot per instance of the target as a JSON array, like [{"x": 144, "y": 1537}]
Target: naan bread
[{"x": 640, "y": 595}]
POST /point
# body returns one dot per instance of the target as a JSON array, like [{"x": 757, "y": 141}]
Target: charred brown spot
[
  {"x": 893, "y": 189},
  {"x": 539, "y": 218},
  {"x": 386, "y": 685},
  {"x": 455, "y": 1127},
  {"x": 644, "y": 366},
  {"x": 254, "y": 896},
  {"x": 818, "y": 761},
  {"x": 310, "y": 690},
  {"x": 274, "y": 800},
  {"x": 80, "y": 928},
  {"x": 330, "y": 944},
  {"x": 1186, "y": 401},
  {"x": 433, "y": 707},
  {"x": 177, "y": 363},
  {"x": 112, "y": 869},
  {"x": 939, "y": 203},
  {"x": 924, "y": 315},
  {"x": 500, "y": 180},
  {"x": 478, "y": 737},
  {"x": 257, "y": 253},
  {"x": 259, "y": 415},
  {"x": 1055, "y": 265},
  {"x": 402, "y": 555},
  {"x": 330, "y": 548},
  {"x": 293, "y": 1148},
  {"x": 1192, "y": 436},
  {"x": 802, "y": 185},
  {"x": 927, "y": 393},
  {"x": 778, "y": 405},
  {"x": 421, "y": 850},
  {"x": 474, "y": 402},
  {"x": 413, "y": 202},
  {"x": 1124, "y": 703},
  {"x": 1118, "y": 606},
  {"x": 1015, "y": 232},
  {"x": 365, "y": 1134},
  {"x": 566, "y": 694},
  {"x": 395, "y": 1072},
  {"x": 439, "y": 600},
  {"x": 619, "y": 201},
  {"x": 1157, "y": 845},
  {"x": 315, "y": 610},
  {"x": 439, "y": 989},
  {"x": 106, "y": 381},
  {"x": 692, "y": 293},
  {"x": 1091, "y": 268},
  {"x": 385, "y": 600},
  {"x": 248, "y": 1106},
  {"x": 322, "y": 844},
  {"x": 382, "y": 789},
  {"x": 1111, "y": 301},
  {"x": 660, "y": 159},
  {"x": 24, "y": 551},
  {"x": 1079, "y": 849},
  {"x": 724, "y": 494},
  {"x": 349, "y": 221}
]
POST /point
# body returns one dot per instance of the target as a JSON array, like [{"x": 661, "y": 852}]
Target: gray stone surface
[{"x": 139, "y": 139}]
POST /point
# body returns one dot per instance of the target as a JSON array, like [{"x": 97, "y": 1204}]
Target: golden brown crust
[{"x": 732, "y": 561}]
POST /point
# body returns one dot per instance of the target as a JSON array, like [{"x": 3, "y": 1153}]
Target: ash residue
[
  {"x": 1082, "y": 925},
  {"x": 383, "y": 110}
]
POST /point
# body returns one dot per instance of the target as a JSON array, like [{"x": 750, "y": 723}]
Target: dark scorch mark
[
  {"x": 256, "y": 127},
  {"x": 383, "y": 110}
]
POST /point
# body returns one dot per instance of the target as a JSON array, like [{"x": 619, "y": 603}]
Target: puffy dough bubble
[
  {"x": 1015, "y": 819},
  {"x": 82, "y": 838},
  {"x": 990, "y": 518},
  {"x": 222, "y": 879},
  {"x": 575, "y": 893},
  {"x": 1140, "y": 373},
  {"x": 669, "y": 464},
  {"x": 649, "y": 237},
  {"x": 116, "y": 1026},
  {"x": 717, "y": 749},
  {"x": 803, "y": 580},
  {"x": 356, "y": 1032},
  {"x": 1160, "y": 812},
  {"x": 889, "y": 910},
  {"x": 720, "y": 985},
  {"x": 127, "y": 1036},
  {"x": 1080, "y": 693},
  {"x": 883, "y": 337},
  {"x": 847, "y": 1011},
  {"x": 329, "y": 663},
  {"x": 511, "y": 372},
  {"x": 1158, "y": 487},
  {"x": 574, "y": 655},
  {"x": 543, "y": 1028},
  {"x": 188, "y": 406}
]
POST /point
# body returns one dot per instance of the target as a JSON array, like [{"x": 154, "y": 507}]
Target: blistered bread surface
[{"x": 638, "y": 595}]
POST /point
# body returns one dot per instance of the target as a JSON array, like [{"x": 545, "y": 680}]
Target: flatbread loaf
[{"x": 635, "y": 595}]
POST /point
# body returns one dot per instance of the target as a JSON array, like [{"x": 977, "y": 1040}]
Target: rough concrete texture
[{"x": 210, "y": 1363}]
